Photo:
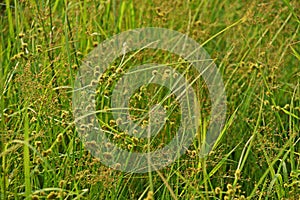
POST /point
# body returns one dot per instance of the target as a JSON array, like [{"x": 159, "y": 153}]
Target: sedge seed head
[
  {"x": 38, "y": 143},
  {"x": 135, "y": 140},
  {"x": 119, "y": 121},
  {"x": 107, "y": 155},
  {"x": 52, "y": 195},
  {"x": 95, "y": 44},
  {"x": 97, "y": 74},
  {"x": 119, "y": 70},
  {"x": 149, "y": 196},
  {"x": 62, "y": 183},
  {"x": 59, "y": 137},
  {"x": 154, "y": 72},
  {"x": 93, "y": 83},
  {"x": 35, "y": 197},
  {"x": 21, "y": 35},
  {"x": 218, "y": 190},
  {"x": 230, "y": 192},
  {"x": 117, "y": 166},
  {"x": 24, "y": 45}
]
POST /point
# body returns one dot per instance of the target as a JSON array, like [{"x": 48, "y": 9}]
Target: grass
[{"x": 255, "y": 46}]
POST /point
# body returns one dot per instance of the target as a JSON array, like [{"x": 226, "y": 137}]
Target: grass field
[{"x": 256, "y": 47}]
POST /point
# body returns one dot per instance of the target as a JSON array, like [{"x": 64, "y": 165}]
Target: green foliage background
[{"x": 256, "y": 47}]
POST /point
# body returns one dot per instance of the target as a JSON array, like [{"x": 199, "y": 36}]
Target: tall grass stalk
[{"x": 26, "y": 156}]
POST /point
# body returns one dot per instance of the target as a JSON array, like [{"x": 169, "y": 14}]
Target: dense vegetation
[{"x": 255, "y": 45}]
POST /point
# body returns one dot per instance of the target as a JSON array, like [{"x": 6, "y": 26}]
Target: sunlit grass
[{"x": 255, "y": 46}]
